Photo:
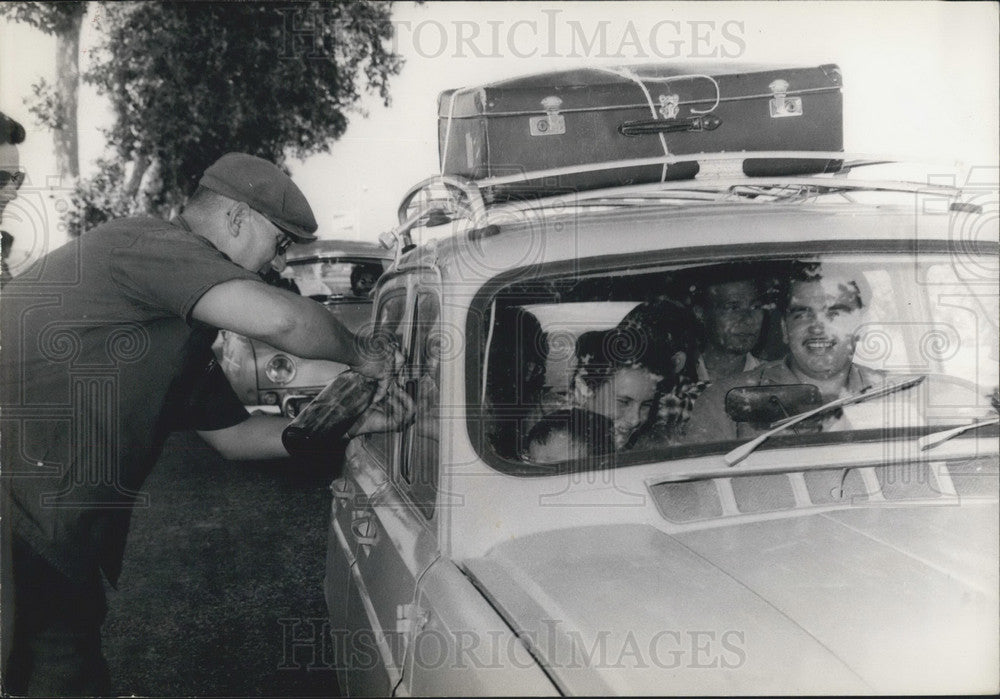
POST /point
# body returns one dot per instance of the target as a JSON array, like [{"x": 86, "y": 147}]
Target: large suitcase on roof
[{"x": 595, "y": 116}]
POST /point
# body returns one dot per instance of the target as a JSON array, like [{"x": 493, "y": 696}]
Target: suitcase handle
[{"x": 707, "y": 122}]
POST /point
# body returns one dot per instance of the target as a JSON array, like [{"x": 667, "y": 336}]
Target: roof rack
[
  {"x": 714, "y": 164},
  {"x": 444, "y": 199}
]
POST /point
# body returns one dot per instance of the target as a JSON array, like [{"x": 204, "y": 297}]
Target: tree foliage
[
  {"x": 99, "y": 198},
  {"x": 47, "y": 106},
  {"x": 189, "y": 82},
  {"x": 50, "y": 17},
  {"x": 55, "y": 106}
]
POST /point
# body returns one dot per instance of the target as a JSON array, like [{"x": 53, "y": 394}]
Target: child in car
[{"x": 570, "y": 434}]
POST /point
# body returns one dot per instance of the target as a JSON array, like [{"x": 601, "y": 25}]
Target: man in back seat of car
[
  {"x": 731, "y": 313},
  {"x": 823, "y": 312}
]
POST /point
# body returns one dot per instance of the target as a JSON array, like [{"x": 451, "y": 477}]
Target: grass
[{"x": 223, "y": 552}]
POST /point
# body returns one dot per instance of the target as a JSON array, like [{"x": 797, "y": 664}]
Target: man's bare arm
[
  {"x": 280, "y": 318},
  {"x": 257, "y": 437}
]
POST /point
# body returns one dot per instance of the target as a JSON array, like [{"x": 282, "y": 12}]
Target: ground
[{"x": 219, "y": 569}]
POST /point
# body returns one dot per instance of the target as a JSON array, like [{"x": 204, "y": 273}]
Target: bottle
[{"x": 320, "y": 428}]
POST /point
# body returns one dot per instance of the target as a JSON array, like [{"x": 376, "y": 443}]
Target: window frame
[
  {"x": 413, "y": 283},
  {"x": 404, "y": 474},
  {"x": 480, "y": 313},
  {"x": 386, "y": 457}
]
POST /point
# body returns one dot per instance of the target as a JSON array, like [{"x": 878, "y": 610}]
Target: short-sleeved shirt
[
  {"x": 101, "y": 360},
  {"x": 709, "y": 421}
]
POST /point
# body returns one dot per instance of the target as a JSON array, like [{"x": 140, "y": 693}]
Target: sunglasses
[{"x": 17, "y": 177}]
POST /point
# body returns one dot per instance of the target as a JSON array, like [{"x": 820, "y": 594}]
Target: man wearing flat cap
[{"x": 106, "y": 349}]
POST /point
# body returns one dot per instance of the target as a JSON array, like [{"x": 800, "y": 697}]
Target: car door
[
  {"x": 392, "y": 526},
  {"x": 366, "y": 469}
]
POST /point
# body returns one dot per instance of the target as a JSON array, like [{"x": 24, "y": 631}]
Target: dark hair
[
  {"x": 812, "y": 271},
  {"x": 594, "y": 431},
  {"x": 515, "y": 375},
  {"x": 707, "y": 278},
  {"x": 11, "y": 132},
  {"x": 649, "y": 336},
  {"x": 360, "y": 268},
  {"x": 515, "y": 371}
]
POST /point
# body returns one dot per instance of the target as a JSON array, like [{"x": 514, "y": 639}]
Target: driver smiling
[{"x": 824, "y": 310}]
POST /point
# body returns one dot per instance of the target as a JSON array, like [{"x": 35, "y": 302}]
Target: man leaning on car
[
  {"x": 822, "y": 315},
  {"x": 114, "y": 331}
]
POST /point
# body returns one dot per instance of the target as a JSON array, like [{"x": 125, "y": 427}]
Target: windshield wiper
[
  {"x": 935, "y": 438},
  {"x": 744, "y": 450}
]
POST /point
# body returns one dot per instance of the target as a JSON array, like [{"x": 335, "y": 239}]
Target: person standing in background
[{"x": 11, "y": 178}]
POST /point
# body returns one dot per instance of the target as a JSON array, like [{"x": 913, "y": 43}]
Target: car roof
[
  {"x": 337, "y": 248},
  {"x": 862, "y": 185},
  {"x": 532, "y": 237}
]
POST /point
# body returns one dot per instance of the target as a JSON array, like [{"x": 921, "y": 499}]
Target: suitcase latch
[
  {"x": 781, "y": 104},
  {"x": 670, "y": 105},
  {"x": 553, "y": 123}
]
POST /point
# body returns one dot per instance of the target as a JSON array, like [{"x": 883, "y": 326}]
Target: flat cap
[{"x": 266, "y": 189}]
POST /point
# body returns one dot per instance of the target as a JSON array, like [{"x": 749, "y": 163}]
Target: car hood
[{"x": 867, "y": 599}]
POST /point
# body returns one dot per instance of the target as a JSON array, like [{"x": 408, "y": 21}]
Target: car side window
[
  {"x": 388, "y": 319},
  {"x": 420, "y": 441}
]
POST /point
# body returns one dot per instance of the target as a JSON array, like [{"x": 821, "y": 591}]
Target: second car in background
[{"x": 340, "y": 275}]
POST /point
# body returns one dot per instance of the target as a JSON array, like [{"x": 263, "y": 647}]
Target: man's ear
[
  {"x": 784, "y": 332},
  {"x": 237, "y": 218},
  {"x": 677, "y": 362}
]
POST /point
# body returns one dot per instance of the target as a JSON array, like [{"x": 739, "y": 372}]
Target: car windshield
[
  {"x": 646, "y": 363},
  {"x": 328, "y": 277}
]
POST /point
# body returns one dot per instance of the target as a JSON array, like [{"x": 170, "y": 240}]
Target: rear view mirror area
[{"x": 767, "y": 404}]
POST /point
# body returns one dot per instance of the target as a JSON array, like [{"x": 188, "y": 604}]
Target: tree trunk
[
  {"x": 150, "y": 186},
  {"x": 134, "y": 179},
  {"x": 67, "y": 86}
]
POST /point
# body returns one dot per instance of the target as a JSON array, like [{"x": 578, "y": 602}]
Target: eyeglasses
[
  {"x": 17, "y": 177},
  {"x": 284, "y": 242}
]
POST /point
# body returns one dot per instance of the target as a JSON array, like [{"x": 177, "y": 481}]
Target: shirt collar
[
  {"x": 751, "y": 362},
  {"x": 179, "y": 220},
  {"x": 858, "y": 378}
]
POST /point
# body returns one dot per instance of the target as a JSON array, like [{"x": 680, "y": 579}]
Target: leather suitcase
[{"x": 596, "y": 115}]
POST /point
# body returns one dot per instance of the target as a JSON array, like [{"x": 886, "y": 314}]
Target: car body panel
[
  {"x": 389, "y": 543},
  {"x": 359, "y": 658},
  {"x": 795, "y": 596},
  {"x": 312, "y": 373},
  {"x": 476, "y": 257},
  {"x": 244, "y": 360},
  {"x": 464, "y": 647},
  {"x": 582, "y": 583},
  {"x": 337, "y": 248}
]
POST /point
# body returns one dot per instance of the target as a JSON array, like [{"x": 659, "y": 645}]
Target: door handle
[
  {"x": 341, "y": 489},
  {"x": 365, "y": 530},
  {"x": 343, "y": 492}
]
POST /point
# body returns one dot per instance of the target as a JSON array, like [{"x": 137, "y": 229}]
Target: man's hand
[
  {"x": 393, "y": 412},
  {"x": 379, "y": 358}
]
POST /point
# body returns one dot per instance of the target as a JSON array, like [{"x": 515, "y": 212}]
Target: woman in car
[{"x": 624, "y": 373}]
